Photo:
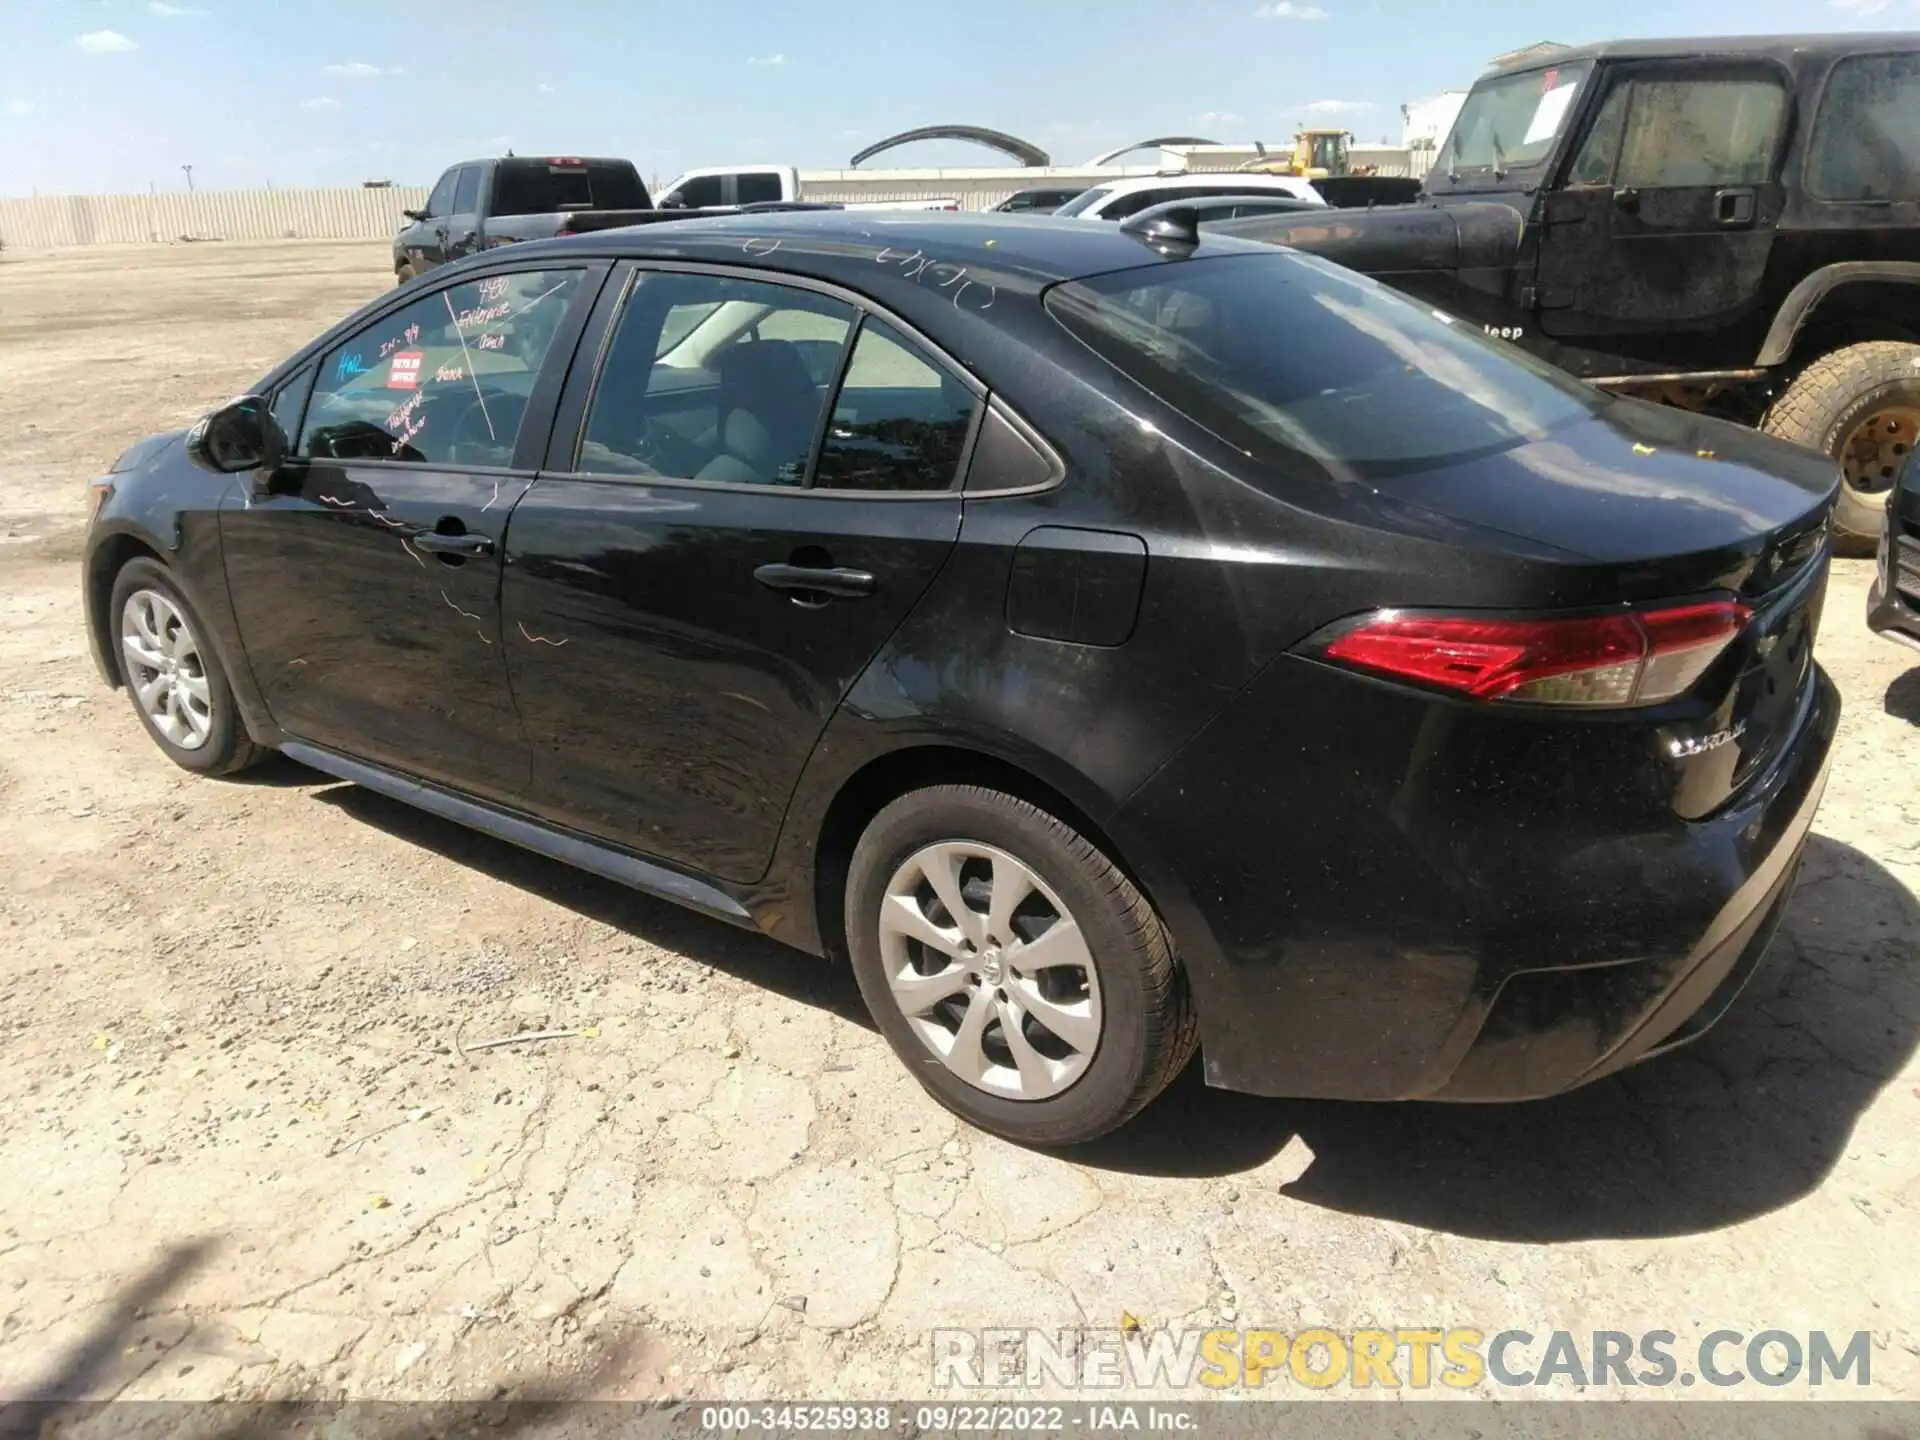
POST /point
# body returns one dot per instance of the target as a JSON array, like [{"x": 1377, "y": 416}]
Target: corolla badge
[{"x": 1681, "y": 746}]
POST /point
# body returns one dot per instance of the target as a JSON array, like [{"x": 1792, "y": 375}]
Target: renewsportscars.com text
[{"x": 1408, "y": 1358}]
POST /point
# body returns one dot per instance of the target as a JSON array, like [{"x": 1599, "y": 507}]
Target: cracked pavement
[{"x": 251, "y": 1149}]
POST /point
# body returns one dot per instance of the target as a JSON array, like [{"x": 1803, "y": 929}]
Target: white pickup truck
[{"x": 762, "y": 184}]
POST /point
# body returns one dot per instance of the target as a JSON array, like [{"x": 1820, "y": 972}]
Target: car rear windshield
[
  {"x": 1085, "y": 200},
  {"x": 1286, "y": 357},
  {"x": 540, "y": 187}
]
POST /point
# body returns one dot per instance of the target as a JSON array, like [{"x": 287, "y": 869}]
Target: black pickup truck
[
  {"x": 478, "y": 204},
  {"x": 1729, "y": 225}
]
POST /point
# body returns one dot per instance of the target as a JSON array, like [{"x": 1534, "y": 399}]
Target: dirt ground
[{"x": 242, "y": 1152}]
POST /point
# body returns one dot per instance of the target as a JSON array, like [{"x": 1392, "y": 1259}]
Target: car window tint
[
  {"x": 1125, "y": 205},
  {"x": 699, "y": 194},
  {"x": 899, "y": 422},
  {"x": 1684, "y": 133},
  {"x": 466, "y": 196},
  {"x": 1594, "y": 164},
  {"x": 444, "y": 380},
  {"x": 759, "y": 189},
  {"x": 440, "y": 202},
  {"x": 1311, "y": 370},
  {"x": 540, "y": 187},
  {"x": 716, "y": 379},
  {"x": 290, "y": 400},
  {"x": 1866, "y": 138}
]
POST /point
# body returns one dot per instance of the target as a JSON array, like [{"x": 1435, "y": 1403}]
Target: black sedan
[{"x": 1115, "y": 640}]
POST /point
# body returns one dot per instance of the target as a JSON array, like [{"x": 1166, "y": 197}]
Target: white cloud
[
  {"x": 1218, "y": 118},
  {"x": 320, "y": 102},
  {"x": 766, "y": 59},
  {"x": 104, "y": 42},
  {"x": 543, "y": 88},
  {"x": 17, "y": 109},
  {"x": 1287, "y": 10},
  {"x": 1859, "y": 7},
  {"x": 357, "y": 70},
  {"x": 172, "y": 12},
  {"x": 1335, "y": 107}
]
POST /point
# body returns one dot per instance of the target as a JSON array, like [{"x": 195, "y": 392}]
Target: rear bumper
[
  {"x": 1893, "y": 605},
  {"x": 1440, "y": 961}
]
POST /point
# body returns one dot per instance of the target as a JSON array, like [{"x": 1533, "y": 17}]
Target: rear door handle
[
  {"x": 839, "y": 582},
  {"x": 435, "y": 543}
]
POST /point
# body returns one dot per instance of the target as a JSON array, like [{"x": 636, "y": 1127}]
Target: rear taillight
[{"x": 1633, "y": 657}]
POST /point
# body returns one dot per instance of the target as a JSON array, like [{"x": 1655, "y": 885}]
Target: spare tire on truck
[{"x": 1861, "y": 405}]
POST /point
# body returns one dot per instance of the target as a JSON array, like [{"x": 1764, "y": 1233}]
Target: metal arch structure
[
  {"x": 1157, "y": 144},
  {"x": 1025, "y": 152}
]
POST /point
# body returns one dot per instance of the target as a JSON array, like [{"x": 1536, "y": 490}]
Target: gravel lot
[{"x": 243, "y": 1154}]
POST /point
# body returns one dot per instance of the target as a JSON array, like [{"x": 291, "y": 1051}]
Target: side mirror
[
  {"x": 415, "y": 214},
  {"x": 240, "y": 435}
]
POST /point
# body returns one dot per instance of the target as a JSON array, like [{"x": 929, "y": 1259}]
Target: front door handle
[
  {"x": 435, "y": 543},
  {"x": 1627, "y": 201},
  {"x": 837, "y": 581},
  {"x": 1733, "y": 207}
]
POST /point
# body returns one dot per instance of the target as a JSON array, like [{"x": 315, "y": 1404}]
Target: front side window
[
  {"x": 899, "y": 422},
  {"x": 1866, "y": 138},
  {"x": 440, "y": 202},
  {"x": 1700, "y": 132},
  {"x": 290, "y": 401},
  {"x": 716, "y": 379},
  {"x": 1512, "y": 123},
  {"x": 466, "y": 198},
  {"x": 698, "y": 194},
  {"x": 444, "y": 380},
  {"x": 1292, "y": 359}
]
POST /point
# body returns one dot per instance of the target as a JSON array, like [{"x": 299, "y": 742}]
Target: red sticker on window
[{"x": 404, "y": 371}]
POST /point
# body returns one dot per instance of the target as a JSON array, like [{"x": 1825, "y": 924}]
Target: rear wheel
[
  {"x": 1019, "y": 974},
  {"x": 1860, "y": 405},
  {"x": 175, "y": 680}
]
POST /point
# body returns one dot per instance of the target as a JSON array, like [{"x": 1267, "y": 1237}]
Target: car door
[
  {"x": 462, "y": 230},
  {"x": 738, "y": 510},
  {"x": 365, "y": 573},
  {"x": 1665, "y": 215},
  {"x": 425, "y": 240}
]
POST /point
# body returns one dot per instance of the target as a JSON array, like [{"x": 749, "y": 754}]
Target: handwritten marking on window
[
  {"x": 402, "y": 417},
  {"x": 348, "y": 366},
  {"x": 479, "y": 315},
  {"x": 468, "y": 357},
  {"x": 494, "y": 288},
  {"x": 493, "y": 342},
  {"x": 448, "y": 374},
  {"x": 412, "y": 333}
]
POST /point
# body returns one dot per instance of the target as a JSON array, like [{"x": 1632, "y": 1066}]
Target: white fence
[{"x": 56, "y": 221}]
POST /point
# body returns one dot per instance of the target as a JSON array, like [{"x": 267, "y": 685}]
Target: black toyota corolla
[{"x": 1115, "y": 642}]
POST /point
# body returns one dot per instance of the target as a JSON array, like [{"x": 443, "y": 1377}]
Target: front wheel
[
  {"x": 405, "y": 273},
  {"x": 178, "y": 687},
  {"x": 1015, "y": 969},
  {"x": 1860, "y": 405}
]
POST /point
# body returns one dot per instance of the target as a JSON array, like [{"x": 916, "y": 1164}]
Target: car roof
[
  {"x": 1714, "y": 45},
  {"x": 1195, "y": 179},
  {"x": 882, "y": 247}
]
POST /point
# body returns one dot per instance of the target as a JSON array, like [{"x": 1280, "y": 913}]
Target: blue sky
[{"x": 116, "y": 95}]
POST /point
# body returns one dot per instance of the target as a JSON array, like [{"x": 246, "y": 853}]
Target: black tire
[
  {"x": 227, "y": 748},
  {"x": 1148, "y": 1030},
  {"x": 1824, "y": 408},
  {"x": 405, "y": 273}
]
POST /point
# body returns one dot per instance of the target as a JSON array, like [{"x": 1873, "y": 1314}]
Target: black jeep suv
[{"x": 1730, "y": 225}]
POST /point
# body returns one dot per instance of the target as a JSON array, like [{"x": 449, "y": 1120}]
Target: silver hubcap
[
  {"x": 990, "y": 970},
  {"x": 164, "y": 666}
]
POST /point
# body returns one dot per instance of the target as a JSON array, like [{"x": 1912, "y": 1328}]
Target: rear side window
[
  {"x": 1866, "y": 138},
  {"x": 542, "y": 187},
  {"x": 759, "y": 189},
  {"x": 900, "y": 421},
  {"x": 1292, "y": 359},
  {"x": 1682, "y": 133}
]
